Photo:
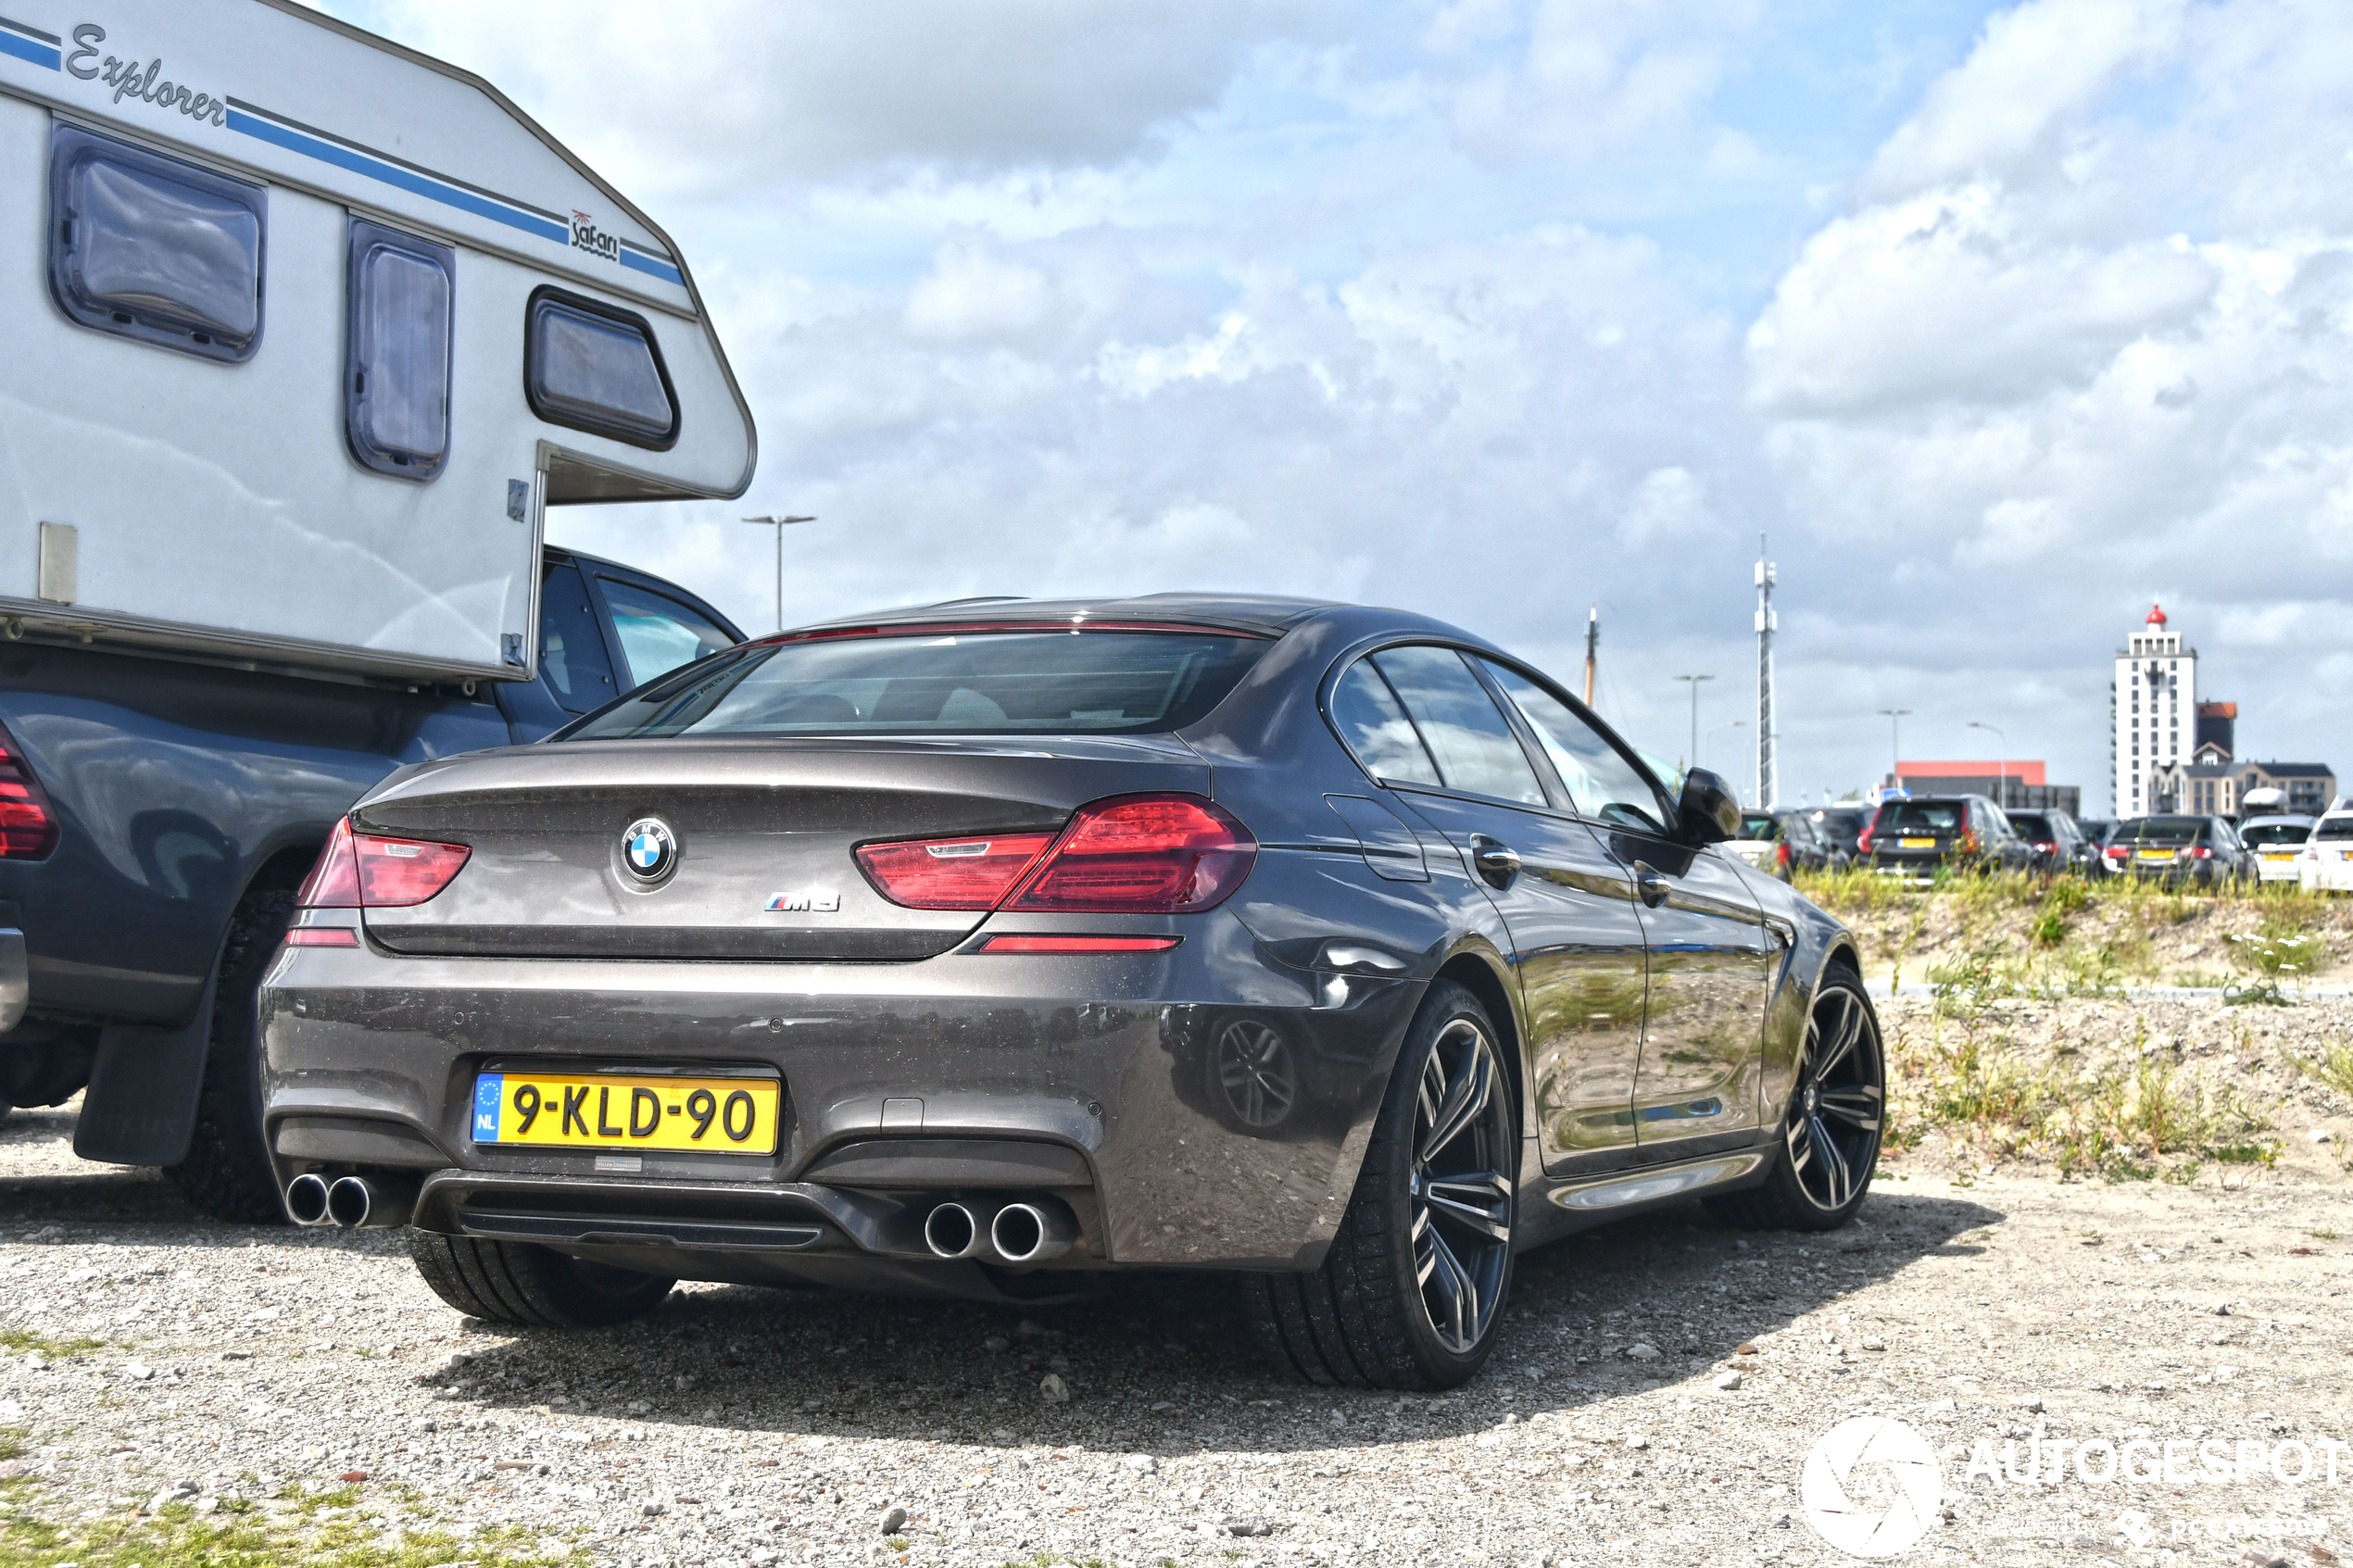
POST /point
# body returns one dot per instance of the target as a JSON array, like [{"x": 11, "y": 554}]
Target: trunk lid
[{"x": 763, "y": 832}]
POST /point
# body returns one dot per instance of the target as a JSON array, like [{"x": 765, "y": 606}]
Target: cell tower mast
[
  {"x": 1769, "y": 782},
  {"x": 1593, "y": 647}
]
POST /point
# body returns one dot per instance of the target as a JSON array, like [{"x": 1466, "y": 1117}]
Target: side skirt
[{"x": 1582, "y": 1202}]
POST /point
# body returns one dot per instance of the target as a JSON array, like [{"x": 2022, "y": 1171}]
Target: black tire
[
  {"x": 1822, "y": 1163},
  {"x": 1431, "y": 1223},
  {"x": 227, "y": 1172},
  {"x": 528, "y": 1287}
]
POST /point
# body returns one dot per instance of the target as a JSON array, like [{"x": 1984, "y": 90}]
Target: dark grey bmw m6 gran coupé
[{"x": 983, "y": 947}]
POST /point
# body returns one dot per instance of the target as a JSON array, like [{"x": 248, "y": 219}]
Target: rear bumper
[
  {"x": 16, "y": 987},
  {"x": 1092, "y": 1078}
]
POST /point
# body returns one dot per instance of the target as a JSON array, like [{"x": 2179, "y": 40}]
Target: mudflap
[{"x": 141, "y": 1106}]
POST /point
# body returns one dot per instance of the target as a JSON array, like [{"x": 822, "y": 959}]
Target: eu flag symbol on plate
[{"x": 490, "y": 1090}]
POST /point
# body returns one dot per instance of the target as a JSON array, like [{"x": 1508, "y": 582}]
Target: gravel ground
[{"x": 306, "y": 1391}]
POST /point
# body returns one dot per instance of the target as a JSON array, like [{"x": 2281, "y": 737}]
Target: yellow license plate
[
  {"x": 2157, "y": 854},
  {"x": 2282, "y": 855},
  {"x": 1918, "y": 843},
  {"x": 617, "y": 1111}
]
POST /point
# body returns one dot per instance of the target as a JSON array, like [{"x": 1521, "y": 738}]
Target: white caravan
[{"x": 307, "y": 329}]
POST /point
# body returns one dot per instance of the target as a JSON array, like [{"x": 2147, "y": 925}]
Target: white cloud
[
  {"x": 699, "y": 95},
  {"x": 1579, "y": 79},
  {"x": 1670, "y": 504},
  {"x": 2062, "y": 356}
]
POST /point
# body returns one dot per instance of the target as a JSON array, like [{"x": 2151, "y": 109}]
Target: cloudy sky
[{"x": 2002, "y": 320}]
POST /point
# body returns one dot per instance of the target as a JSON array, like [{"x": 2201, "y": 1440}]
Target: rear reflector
[
  {"x": 27, "y": 831},
  {"x": 360, "y": 870},
  {"x": 1079, "y": 944},
  {"x": 1142, "y": 854},
  {"x": 322, "y": 936},
  {"x": 951, "y": 873}
]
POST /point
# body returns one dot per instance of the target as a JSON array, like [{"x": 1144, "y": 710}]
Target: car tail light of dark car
[
  {"x": 27, "y": 829},
  {"x": 361, "y": 871},
  {"x": 970, "y": 872},
  {"x": 1150, "y": 854}
]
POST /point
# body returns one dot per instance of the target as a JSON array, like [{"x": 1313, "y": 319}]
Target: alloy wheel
[
  {"x": 1836, "y": 1113},
  {"x": 1461, "y": 1185},
  {"x": 1255, "y": 1074}
]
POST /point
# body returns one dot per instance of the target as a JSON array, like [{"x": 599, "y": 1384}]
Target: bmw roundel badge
[{"x": 649, "y": 848}]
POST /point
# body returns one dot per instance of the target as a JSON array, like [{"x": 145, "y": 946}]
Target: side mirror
[{"x": 1709, "y": 811}]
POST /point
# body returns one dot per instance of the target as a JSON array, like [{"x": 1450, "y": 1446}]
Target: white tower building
[{"x": 2152, "y": 712}]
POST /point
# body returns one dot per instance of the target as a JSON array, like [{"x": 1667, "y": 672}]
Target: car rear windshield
[
  {"x": 2029, "y": 825},
  {"x": 2280, "y": 833},
  {"x": 1919, "y": 816},
  {"x": 1756, "y": 824},
  {"x": 2159, "y": 830},
  {"x": 2334, "y": 827},
  {"x": 929, "y": 681}
]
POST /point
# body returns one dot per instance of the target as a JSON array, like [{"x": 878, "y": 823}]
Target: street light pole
[
  {"x": 1895, "y": 717},
  {"x": 1694, "y": 681},
  {"x": 2002, "y": 787},
  {"x": 779, "y": 524}
]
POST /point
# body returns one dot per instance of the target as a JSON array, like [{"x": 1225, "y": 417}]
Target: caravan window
[
  {"x": 397, "y": 351},
  {"x": 596, "y": 367},
  {"x": 154, "y": 248}
]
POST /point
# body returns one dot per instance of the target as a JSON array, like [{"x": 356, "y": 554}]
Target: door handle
[
  {"x": 1652, "y": 887},
  {"x": 1497, "y": 862}
]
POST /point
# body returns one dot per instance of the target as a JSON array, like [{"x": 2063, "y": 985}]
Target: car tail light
[
  {"x": 1863, "y": 843},
  {"x": 2044, "y": 848},
  {"x": 970, "y": 872},
  {"x": 322, "y": 936},
  {"x": 1079, "y": 944},
  {"x": 1781, "y": 854},
  {"x": 2117, "y": 851},
  {"x": 1138, "y": 854},
  {"x": 2202, "y": 853},
  {"x": 27, "y": 829},
  {"x": 1142, "y": 854},
  {"x": 1966, "y": 844},
  {"x": 361, "y": 871}
]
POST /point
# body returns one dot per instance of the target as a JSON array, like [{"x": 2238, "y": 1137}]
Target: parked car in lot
[
  {"x": 2326, "y": 863},
  {"x": 1920, "y": 836},
  {"x": 1781, "y": 844},
  {"x": 1842, "y": 826},
  {"x": 2058, "y": 843},
  {"x": 2180, "y": 851},
  {"x": 985, "y": 948},
  {"x": 2277, "y": 843}
]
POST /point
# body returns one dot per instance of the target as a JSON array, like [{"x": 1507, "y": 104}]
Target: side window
[
  {"x": 1467, "y": 735},
  {"x": 657, "y": 633},
  {"x": 1600, "y": 780},
  {"x": 153, "y": 248},
  {"x": 1376, "y": 729},
  {"x": 572, "y": 646},
  {"x": 397, "y": 351},
  {"x": 595, "y": 367}
]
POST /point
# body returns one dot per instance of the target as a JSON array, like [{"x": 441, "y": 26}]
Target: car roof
[
  {"x": 1268, "y": 614},
  {"x": 2287, "y": 817}
]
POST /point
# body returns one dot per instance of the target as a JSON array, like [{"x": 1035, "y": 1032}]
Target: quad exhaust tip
[
  {"x": 1030, "y": 1231},
  {"x": 958, "y": 1230},
  {"x": 306, "y": 1201},
  {"x": 352, "y": 1202}
]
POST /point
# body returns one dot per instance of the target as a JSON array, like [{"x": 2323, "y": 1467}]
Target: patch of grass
[
  {"x": 2333, "y": 1067},
  {"x": 2322, "y": 1235},
  {"x": 23, "y": 1341},
  {"x": 12, "y": 1442},
  {"x": 2202, "y": 979},
  {"x": 178, "y": 1538},
  {"x": 2137, "y": 1121}
]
